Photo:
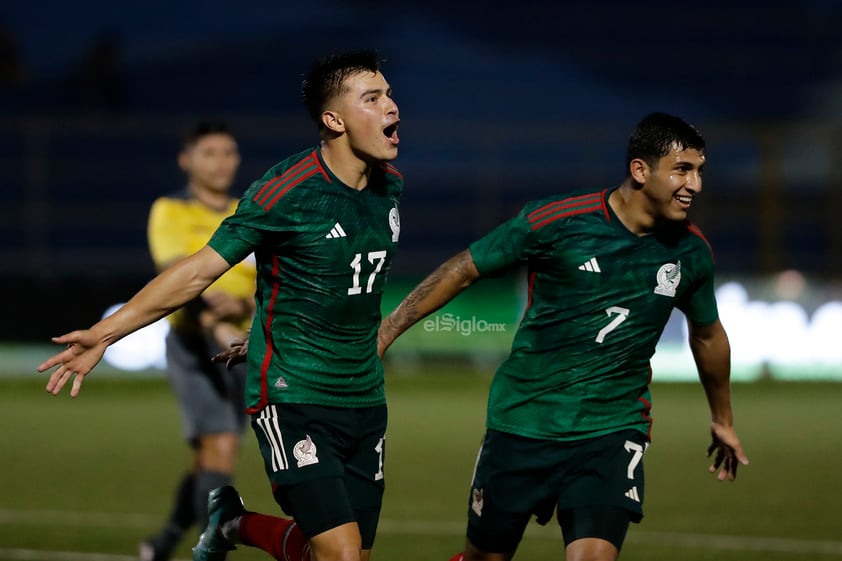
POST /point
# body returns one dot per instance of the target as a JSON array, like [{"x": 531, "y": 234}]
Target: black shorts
[
  {"x": 518, "y": 477},
  {"x": 210, "y": 396},
  {"x": 325, "y": 464}
]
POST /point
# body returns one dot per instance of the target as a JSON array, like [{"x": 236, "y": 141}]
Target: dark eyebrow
[
  {"x": 378, "y": 91},
  {"x": 687, "y": 164}
]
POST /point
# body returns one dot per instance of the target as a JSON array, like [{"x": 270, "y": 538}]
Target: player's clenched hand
[
  {"x": 728, "y": 451},
  {"x": 83, "y": 351}
]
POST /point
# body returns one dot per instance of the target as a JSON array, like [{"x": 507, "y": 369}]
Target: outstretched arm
[
  {"x": 180, "y": 283},
  {"x": 439, "y": 288},
  {"x": 712, "y": 353}
]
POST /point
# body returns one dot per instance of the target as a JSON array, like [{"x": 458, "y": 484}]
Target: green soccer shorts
[
  {"x": 325, "y": 464},
  {"x": 518, "y": 477}
]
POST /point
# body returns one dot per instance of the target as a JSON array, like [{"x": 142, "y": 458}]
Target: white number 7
[
  {"x": 637, "y": 453},
  {"x": 622, "y": 314}
]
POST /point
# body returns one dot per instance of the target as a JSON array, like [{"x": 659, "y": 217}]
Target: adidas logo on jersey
[
  {"x": 632, "y": 494},
  {"x": 336, "y": 232},
  {"x": 590, "y": 265}
]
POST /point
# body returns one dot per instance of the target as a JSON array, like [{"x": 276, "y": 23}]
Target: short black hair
[
  {"x": 327, "y": 75},
  {"x": 204, "y": 128},
  {"x": 655, "y": 136}
]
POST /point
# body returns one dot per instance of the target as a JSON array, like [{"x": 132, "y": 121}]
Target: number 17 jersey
[
  {"x": 323, "y": 252},
  {"x": 599, "y": 299}
]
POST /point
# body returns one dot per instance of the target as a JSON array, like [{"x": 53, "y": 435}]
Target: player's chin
[
  {"x": 388, "y": 153},
  {"x": 221, "y": 185},
  {"x": 675, "y": 213},
  {"x": 385, "y": 152}
]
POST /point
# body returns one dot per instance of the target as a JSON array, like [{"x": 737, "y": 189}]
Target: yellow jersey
[{"x": 180, "y": 225}]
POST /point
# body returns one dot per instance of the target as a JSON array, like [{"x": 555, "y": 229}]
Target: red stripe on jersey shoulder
[
  {"x": 571, "y": 202},
  {"x": 315, "y": 158},
  {"x": 280, "y": 186},
  {"x": 607, "y": 214},
  {"x": 698, "y": 232},
  {"x": 389, "y": 168},
  {"x": 551, "y": 212},
  {"x": 270, "y": 186},
  {"x": 300, "y": 179}
]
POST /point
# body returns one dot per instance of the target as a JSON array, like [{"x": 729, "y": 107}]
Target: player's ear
[
  {"x": 639, "y": 170},
  {"x": 333, "y": 121},
  {"x": 184, "y": 160}
]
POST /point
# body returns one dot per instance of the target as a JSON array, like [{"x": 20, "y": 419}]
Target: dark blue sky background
[{"x": 594, "y": 60}]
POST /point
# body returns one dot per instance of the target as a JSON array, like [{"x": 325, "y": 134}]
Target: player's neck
[
  {"x": 628, "y": 204},
  {"x": 346, "y": 165},
  {"x": 216, "y": 200}
]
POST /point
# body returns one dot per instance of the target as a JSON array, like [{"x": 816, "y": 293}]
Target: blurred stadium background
[{"x": 501, "y": 103}]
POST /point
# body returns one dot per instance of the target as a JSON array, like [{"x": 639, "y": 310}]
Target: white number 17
[
  {"x": 380, "y": 257},
  {"x": 622, "y": 314}
]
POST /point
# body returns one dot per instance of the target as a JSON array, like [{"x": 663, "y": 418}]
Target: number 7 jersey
[
  {"x": 599, "y": 299},
  {"x": 323, "y": 252}
]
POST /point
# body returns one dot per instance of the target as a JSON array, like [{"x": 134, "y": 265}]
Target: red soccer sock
[
  {"x": 457, "y": 557},
  {"x": 279, "y": 537}
]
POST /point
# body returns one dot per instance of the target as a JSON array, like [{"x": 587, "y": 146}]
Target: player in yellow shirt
[{"x": 210, "y": 396}]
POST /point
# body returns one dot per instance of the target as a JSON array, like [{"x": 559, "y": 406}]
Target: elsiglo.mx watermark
[{"x": 463, "y": 326}]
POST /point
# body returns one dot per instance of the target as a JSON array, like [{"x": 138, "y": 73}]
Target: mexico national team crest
[
  {"x": 476, "y": 501},
  {"x": 669, "y": 275},
  {"x": 395, "y": 223},
  {"x": 305, "y": 452}
]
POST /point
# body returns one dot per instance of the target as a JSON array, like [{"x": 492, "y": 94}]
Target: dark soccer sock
[
  {"x": 206, "y": 481},
  {"x": 279, "y": 537},
  {"x": 182, "y": 516}
]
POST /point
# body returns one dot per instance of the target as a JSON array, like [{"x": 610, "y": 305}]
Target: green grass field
[{"x": 88, "y": 478}]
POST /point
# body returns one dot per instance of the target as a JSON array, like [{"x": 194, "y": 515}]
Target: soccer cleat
[{"x": 224, "y": 504}]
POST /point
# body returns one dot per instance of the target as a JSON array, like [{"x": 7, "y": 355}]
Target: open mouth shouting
[{"x": 391, "y": 132}]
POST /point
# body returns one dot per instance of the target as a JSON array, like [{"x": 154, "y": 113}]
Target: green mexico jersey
[
  {"x": 599, "y": 298},
  {"x": 323, "y": 251}
]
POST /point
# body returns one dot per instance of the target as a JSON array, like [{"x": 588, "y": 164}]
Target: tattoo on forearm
[
  {"x": 455, "y": 270},
  {"x": 410, "y": 303}
]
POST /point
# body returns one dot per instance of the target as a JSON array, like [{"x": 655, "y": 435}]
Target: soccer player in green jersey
[
  {"x": 323, "y": 226},
  {"x": 569, "y": 410}
]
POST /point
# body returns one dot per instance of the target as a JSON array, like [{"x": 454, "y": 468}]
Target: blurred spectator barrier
[{"x": 782, "y": 326}]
